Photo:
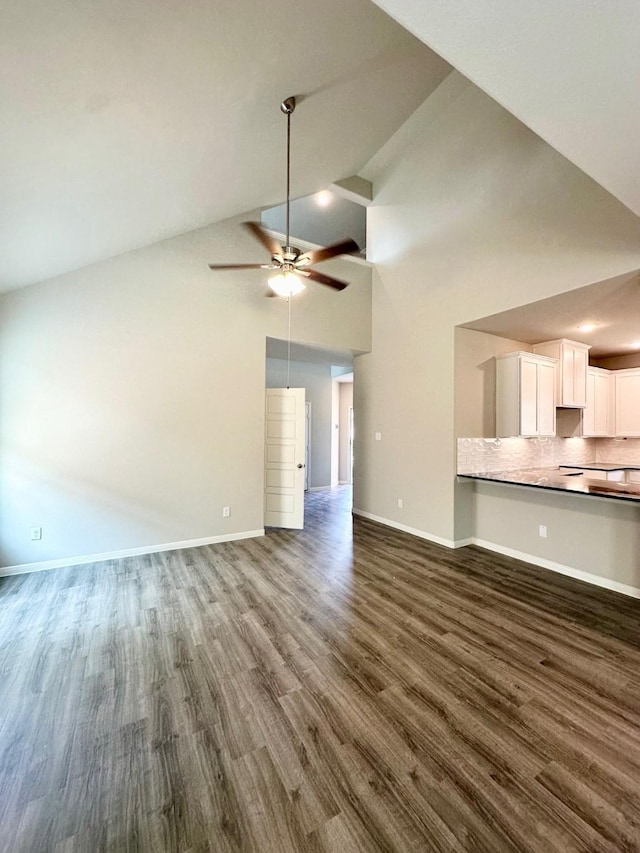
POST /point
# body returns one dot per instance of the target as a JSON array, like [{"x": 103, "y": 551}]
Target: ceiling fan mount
[{"x": 289, "y": 262}]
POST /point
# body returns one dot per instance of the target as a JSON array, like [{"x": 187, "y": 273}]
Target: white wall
[
  {"x": 473, "y": 214},
  {"x": 316, "y": 380},
  {"x": 133, "y": 395}
]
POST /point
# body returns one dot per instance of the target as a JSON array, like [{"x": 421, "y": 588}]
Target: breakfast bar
[{"x": 597, "y": 479}]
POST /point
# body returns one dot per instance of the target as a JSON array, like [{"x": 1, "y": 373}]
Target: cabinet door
[
  {"x": 627, "y": 390},
  {"x": 596, "y": 417},
  {"x": 546, "y": 399},
  {"x": 589, "y": 413},
  {"x": 567, "y": 375},
  {"x": 602, "y": 403},
  {"x": 579, "y": 392},
  {"x": 573, "y": 381},
  {"x": 529, "y": 397}
]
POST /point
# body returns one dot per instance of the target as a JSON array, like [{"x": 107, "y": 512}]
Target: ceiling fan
[{"x": 292, "y": 265}]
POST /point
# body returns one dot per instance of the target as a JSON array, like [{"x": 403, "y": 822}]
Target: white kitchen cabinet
[
  {"x": 525, "y": 395},
  {"x": 627, "y": 394},
  {"x": 597, "y": 416},
  {"x": 571, "y": 379}
]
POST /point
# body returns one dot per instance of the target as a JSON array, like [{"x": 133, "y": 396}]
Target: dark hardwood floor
[{"x": 345, "y": 688}]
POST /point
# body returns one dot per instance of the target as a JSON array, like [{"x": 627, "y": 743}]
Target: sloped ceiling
[
  {"x": 569, "y": 70},
  {"x": 124, "y": 122}
]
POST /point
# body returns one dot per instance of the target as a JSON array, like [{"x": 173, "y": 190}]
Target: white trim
[
  {"x": 439, "y": 540},
  {"x": 318, "y": 488},
  {"x": 127, "y": 552},
  {"x": 578, "y": 574}
]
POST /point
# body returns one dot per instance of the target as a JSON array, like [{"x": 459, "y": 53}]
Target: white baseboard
[
  {"x": 578, "y": 574},
  {"x": 422, "y": 534},
  {"x": 318, "y": 488},
  {"x": 23, "y": 568}
]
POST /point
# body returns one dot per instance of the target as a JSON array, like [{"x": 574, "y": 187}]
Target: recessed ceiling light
[
  {"x": 587, "y": 327},
  {"x": 324, "y": 198}
]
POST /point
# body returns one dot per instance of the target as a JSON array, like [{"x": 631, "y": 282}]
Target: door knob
[{"x": 300, "y": 465}]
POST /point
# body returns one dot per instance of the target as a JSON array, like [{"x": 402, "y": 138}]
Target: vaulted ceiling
[
  {"x": 569, "y": 70},
  {"x": 124, "y": 122},
  {"x": 127, "y": 121}
]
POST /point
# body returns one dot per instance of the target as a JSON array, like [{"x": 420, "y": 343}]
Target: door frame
[{"x": 308, "y": 413}]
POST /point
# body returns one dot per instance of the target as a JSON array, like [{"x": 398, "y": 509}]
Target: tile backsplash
[
  {"x": 503, "y": 454},
  {"x": 625, "y": 450}
]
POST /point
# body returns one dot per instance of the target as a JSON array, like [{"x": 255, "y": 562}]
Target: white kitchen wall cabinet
[
  {"x": 627, "y": 394},
  {"x": 598, "y": 414},
  {"x": 571, "y": 379},
  {"x": 525, "y": 395}
]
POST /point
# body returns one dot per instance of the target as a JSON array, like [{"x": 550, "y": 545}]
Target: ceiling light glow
[
  {"x": 634, "y": 345},
  {"x": 587, "y": 327},
  {"x": 324, "y": 198},
  {"x": 286, "y": 284}
]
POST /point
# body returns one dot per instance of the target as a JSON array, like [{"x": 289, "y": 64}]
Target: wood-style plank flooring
[{"x": 345, "y": 688}]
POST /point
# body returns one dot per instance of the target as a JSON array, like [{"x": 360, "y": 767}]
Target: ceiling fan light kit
[
  {"x": 286, "y": 284},
  {"x": 291, "y": 264}
]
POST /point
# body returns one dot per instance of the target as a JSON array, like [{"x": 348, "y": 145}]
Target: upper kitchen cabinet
[
  {"x": 596, "y": 420},
  {"x": 598, "y": 416},
  {"x": 571, "y": 379},
  {"x": 627, "y": 394},
  {"x": 525, "y": 395}
]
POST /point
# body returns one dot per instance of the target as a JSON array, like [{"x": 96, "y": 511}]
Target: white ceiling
[
  {"x": 569, "y": 70},
  {"x": 310, "y": 353},
  {"x": 123, "y": 123},
  {"x": 614, "y": 305}
]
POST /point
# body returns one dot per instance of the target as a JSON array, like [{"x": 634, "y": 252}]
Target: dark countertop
[
  {"x": 605, "y": 466},
  {"x": 553, "y": 478}
]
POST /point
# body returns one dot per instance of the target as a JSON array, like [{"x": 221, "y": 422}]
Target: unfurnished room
[{"x": 319, "y": 427}]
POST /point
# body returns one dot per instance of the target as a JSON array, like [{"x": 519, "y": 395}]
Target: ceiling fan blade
[
  {"x": 241, "y": 266},
  {"x": 335, "y": 283},
  {"x": 344, "y": 247},
  {"x": 270, "y": 243}
]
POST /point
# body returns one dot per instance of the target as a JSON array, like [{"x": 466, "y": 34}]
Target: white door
[{"x": 284, "y": 458}]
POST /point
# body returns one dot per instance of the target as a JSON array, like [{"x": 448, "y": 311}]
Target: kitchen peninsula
[{"x": 603, "y": 480}]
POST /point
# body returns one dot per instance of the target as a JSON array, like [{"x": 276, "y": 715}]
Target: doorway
[
  {"x": 344, "y": 425},
  {"x": 307, "y": 445}
]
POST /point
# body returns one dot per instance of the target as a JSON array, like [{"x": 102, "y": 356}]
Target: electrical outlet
[
  {"x": 542, "y": 530},
  {"x": 226, "y": 512},
  {"x": 378, "y": 436},
  {"x": 400, "y": 503},
  {"x": 36, "y": 534}
]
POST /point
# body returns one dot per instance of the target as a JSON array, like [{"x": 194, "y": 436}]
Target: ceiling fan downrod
[
  {"x": 287, "y": 107},
  {"x": 293, "y": 267}
]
